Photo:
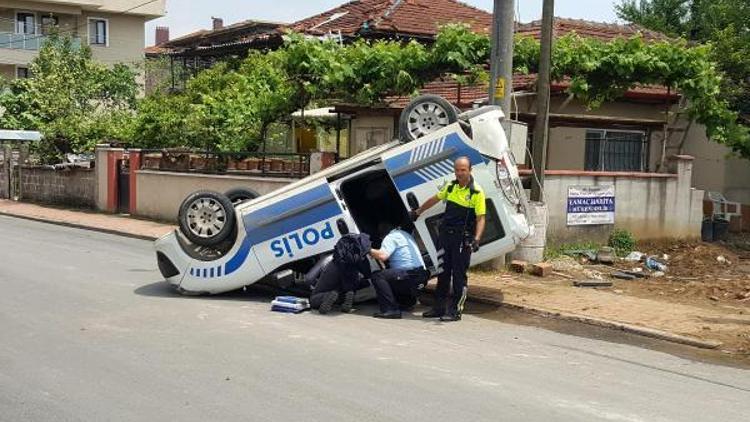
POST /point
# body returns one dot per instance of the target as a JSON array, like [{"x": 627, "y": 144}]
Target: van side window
[{"x": 493, "y": 228}]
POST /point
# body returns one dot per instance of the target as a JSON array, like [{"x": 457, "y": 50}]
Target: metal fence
[
  {"x": 26, "y": 41},
  {"x": 239, "y": 163}
]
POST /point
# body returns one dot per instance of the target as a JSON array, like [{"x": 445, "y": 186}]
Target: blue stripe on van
[
  {"x": 256, "y": 234},
  {"x": 409, "y": 180}
]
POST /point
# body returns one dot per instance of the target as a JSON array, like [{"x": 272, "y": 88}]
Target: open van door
[{"x": 419, "y": 169}]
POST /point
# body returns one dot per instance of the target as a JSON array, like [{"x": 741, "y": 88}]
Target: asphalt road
[{"x": 87, "y": 332}]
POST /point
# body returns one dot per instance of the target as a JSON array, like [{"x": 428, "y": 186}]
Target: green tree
[
  {"x": 74, "y": 101},
  {"x": 221, "y": 108},
  {"x": 230, "y": 106},
  {"x": 725, "y": 24}
]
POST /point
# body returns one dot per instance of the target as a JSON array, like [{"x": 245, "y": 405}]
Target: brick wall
[{"x": 71, "y": 187}]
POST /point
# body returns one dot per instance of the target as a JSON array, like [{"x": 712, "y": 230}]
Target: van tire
[
  {"x": 206, "y": 218},
  {"x": 424, "y": 115},
  {"x": 239, "y": 195}
]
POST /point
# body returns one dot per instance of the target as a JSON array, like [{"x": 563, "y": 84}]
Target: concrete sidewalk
[
  {"x": 543, "y": 298},
  {"x": 90, "y": 220}
]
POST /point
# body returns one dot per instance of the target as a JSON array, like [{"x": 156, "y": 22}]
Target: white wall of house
[
  {"x": 368, "y": 131},
  {"x": 567, "y": 148}
]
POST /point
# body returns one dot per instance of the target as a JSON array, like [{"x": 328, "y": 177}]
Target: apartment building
[{"x": 114, "y": 29}]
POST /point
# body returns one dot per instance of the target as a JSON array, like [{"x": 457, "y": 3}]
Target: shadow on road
[
  {"x": 163, "y": 289},
  {"x": 264, "y": 294}
]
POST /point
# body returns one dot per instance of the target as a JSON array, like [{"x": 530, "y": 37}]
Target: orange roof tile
[
  {"x": 589, "y": 29},
  {"x": 407, "y": 17}
]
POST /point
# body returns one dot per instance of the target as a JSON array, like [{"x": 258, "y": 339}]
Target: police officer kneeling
[
  {"x": 461, "y": 229},
  {"x": 396, "y": 286}
]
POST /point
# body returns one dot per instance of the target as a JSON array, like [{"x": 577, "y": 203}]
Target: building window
[
  {"x": 615, "y": 150},
  {"x": 49, "y": 23},
  {"x": 22, "y": 73},
  {"x": 98, "y": 32},
  {"x": 25, "y": 23}
]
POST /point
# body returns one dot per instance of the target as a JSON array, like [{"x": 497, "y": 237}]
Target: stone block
[
  {"x": 518, "y": 266},
  {"x": 541, "y": 269}
]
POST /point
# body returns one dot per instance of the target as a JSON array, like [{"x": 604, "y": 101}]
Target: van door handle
[
  {"x": 342, "y": 226},
  {"x": 412, "y": 200}
]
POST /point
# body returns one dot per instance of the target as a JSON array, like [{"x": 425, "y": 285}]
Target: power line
[{"x": 77, "y": 27}]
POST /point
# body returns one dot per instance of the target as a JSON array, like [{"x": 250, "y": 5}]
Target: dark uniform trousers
[
  {"x": 456, "y": 259},
  {"x": 334, "y": 277},
  {"x": 396, "y": 289}
]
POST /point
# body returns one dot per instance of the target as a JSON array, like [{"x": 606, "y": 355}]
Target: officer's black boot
[
  {"x": 451, "y": 316},
  {"x": 348, "y": 303},
  {"x": 457, "y": 306},
  {"x": 437, "y": 311}
]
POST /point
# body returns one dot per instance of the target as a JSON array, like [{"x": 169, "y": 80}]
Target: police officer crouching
[
  {"x": 396, "y": 286},
  {"x": 461, "y": 229}
]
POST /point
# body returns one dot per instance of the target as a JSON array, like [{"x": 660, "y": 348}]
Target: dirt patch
[{"x": 699, "y": 295}]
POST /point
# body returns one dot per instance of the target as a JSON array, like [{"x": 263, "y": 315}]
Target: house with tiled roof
[
  {"x": 626, "y": 135},
  {"x": 174, "y": 60},
  {"x": 370, "y": 19},
  {"x": 410, "y": 19}
]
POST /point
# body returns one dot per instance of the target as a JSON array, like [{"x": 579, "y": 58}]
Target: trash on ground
[
  {"x": 592, "y": 274},
  {"x": 565, "y": 264},
  {"x": 722, "y": 260},
  {"x": 634, "y": 256},
  {"x": 606, "y": 255},
  {"x": 652, "y": 263},
  {"x": 622, "y": 275},
  {"x": 588, "y": 254},
  {"x": 657, "y": 274},
  {"x": 563, "y": 275},
  {"x": 592, "y": 283}
]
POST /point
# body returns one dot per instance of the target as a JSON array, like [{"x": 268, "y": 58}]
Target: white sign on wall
[{"x": 590, "y": 205}]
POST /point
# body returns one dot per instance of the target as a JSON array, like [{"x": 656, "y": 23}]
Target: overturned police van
[{"x": 226, "y": 242}]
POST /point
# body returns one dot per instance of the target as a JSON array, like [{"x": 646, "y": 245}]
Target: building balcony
[{"x": 29, "y": 42}]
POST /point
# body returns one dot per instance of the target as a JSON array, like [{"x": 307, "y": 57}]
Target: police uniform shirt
[
  {"x": 467, "y": 202},
  {"x": 403, "y": 252}
]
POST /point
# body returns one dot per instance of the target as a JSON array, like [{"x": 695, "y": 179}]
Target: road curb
[
  {"x": 605, "y": 323},
  {"x": 79, "y": 226}
]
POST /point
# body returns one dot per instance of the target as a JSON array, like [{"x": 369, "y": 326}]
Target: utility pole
[
  {"x": 501, "y": 57},
  {"x": 541, "y": 126}
]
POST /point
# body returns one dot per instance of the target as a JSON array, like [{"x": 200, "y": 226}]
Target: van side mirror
[{"x": 412, "y": 200}]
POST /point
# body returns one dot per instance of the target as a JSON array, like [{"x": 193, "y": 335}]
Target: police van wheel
[
  {"x": 424, "y": 115},
  {"x": 206, "y": 218},
  {"x": 239, "y": 195}
]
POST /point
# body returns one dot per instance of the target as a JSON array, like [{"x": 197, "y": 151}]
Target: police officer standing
[{"x": 460, "y": 231}]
